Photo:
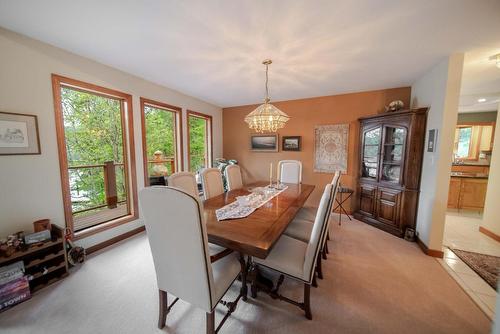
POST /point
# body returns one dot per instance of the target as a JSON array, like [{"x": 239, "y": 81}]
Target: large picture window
[
  {"x": 199, "y": 140},
  {"x": 161, "y": 140},
  {"x": 96, "y": 155}
]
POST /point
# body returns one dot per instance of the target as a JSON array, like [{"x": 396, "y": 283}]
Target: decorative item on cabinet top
[{"x": 391, "y": 154}]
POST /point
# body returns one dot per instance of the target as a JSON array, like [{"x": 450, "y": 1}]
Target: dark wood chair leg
[
  {"x": 314, "y": 282},
  {"x": 211, "y": 323},
  {"x": 307, "y": 301},
  {"x": 163, "y": 309},
  {"x": 319, "y": 269},
  {"x": 323, "y": 252},
  {"x": 244, "y": 288},
  {"x": 328, "y": 235},
  {"x": 326, "y": 248}
]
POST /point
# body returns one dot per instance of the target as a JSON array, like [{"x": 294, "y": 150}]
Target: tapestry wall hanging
[{"x": 330, "y": 148}]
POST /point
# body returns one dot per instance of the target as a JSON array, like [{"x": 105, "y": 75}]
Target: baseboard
[
  {"x": 429, "y": 252},
  {"x": 114, "y": 240},
  {"x": 489, "y": 233}
]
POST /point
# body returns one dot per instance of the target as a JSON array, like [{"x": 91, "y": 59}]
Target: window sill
[{"x": 104, "y": 226}]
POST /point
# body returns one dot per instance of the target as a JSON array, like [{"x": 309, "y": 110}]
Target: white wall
[
  {"x": 491, "y": 212},
  {"x": 438, "y": 89},
  {"x": 30, "y": 187}
]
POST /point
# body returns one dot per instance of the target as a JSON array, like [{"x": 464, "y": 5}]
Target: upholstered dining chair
[
  {"x": 297, "y": 259},
  {"x": 185, "y": 181},
  {"x": 178, "y": 241},
  {"x": 211, "y": 181},
  {"x": 233, "y": 177},
  {"x": 290, "y": 171},
  {"x": 301, "y": 228},
  {"x": 309, "y": 213}
]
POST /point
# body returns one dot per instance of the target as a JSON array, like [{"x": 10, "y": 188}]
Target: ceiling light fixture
[
  {"x": 496, "y": 58},
  {"x": 266, "y": 117},
  {"x": 481, "y": 100}
]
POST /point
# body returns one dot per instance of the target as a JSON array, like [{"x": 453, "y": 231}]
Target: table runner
[{"x": 257, "y": 198}]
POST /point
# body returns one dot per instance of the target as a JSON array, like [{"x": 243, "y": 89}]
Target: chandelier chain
[{"x": 267, "y": 80}]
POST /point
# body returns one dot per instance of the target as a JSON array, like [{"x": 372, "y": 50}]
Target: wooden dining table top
[{"x": 256, "y": 234}]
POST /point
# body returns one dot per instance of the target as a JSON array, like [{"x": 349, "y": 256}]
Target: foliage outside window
[{"x": 199, "y": 141}]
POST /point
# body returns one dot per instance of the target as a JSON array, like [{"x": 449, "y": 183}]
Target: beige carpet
[{"x": 374, "y": 283}]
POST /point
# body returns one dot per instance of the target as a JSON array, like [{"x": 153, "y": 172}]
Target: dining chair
[
  {"x": 301, "y": 229},
  {"x": 233, "y": 177},
  {"x": 297, "y": 259},
  {"x": 290, "y": 171},
  {"x": 308, "y": 212},
  {"x": 178, "y": 241},
  {"x": 211, "y": 181},
  {"x": 185, "y": 181}
]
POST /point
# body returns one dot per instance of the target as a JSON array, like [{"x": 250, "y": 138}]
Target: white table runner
[{"x": 245, "y": 205}]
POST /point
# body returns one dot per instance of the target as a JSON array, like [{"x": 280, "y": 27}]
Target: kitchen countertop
[
  {"x": 470, "y": 175},
  {"x": 470, "y": 164}
]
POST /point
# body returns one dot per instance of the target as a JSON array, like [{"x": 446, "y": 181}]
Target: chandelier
[{"x": 266, "y": 117}]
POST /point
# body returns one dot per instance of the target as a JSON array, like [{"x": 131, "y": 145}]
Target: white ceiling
[
  {"x": 480, "y": 80},
  {"x": 213, "y": 49}
]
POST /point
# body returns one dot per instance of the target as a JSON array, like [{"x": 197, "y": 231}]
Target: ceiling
[
  {"x": 213, "y": 50},
  {"x": 480, "y": 89}
]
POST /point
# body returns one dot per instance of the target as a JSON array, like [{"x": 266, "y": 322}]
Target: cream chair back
[
  {"x": 233, "y": 177},
  {"x": 318, "y": 230},
  {"x": 185, "y": 181},
  {"x": 335, "y": 187},
  {"x": 178, "y": 242},
  {"x": 211, "y": 180},
  {"x": 290, "y": 171}
]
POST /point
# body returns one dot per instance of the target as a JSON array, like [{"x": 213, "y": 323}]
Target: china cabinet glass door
[
  {"x": 371, "y": 152},
  {"x": 393, "y": 154}
]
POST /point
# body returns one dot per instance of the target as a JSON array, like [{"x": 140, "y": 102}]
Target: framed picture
[
  {"x": 264, "y": 143},
  {"x": 18, "y": 134},
  {"x": 291, "y": 143}
]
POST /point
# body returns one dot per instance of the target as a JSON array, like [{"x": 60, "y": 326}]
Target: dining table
[{"x": 256, "y": 234}]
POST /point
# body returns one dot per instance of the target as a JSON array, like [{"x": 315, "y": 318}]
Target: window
[
  {"x": 161, "y": 139},
  {"x": 464, "y": 136},
  {"x": 199, "y": 141},
  {"x": 96, "y": 155}
]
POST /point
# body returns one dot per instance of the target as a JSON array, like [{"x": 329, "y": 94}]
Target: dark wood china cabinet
[{"x": 390, "y": 155}]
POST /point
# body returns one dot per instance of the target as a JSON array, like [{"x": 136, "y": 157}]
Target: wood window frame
[
  {"x": 58, "y": 82},
  {"x": 179, "y": 151},
  {"x": 209, "y": 141}
]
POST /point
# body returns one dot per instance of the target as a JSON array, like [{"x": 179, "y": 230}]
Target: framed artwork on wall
[
  {"x": 264, "y": 143},
  {"x": 331, "y": 148},
  {"x": 291, "y": 143},
  {"x": 18, "y": 134}
]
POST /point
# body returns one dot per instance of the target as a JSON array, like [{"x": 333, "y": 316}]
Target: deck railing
[
  {"x": 111, "y": 194},
  {"x": 110, "y": 188}
]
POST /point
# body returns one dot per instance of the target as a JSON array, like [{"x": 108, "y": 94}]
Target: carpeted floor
[{"x": 374, "y": 283}]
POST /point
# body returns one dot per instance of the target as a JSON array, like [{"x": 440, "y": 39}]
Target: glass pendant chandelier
[{"x": 266, "y": 117}]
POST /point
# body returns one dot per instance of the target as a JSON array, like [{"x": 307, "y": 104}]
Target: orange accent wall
[{"x": 305, "y": 114}]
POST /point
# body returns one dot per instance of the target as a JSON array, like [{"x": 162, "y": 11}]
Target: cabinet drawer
[{"x": 388, "y": 195}]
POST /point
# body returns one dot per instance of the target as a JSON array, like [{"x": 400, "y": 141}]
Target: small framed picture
[
  {"x": 291, "y": 143},
  {"x": 264, "y": 143},
  {"x": 18, "y": 134}
]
